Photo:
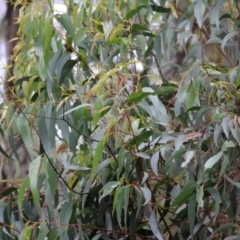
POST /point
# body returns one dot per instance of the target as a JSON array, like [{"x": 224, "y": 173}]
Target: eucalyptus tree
[{"x": 134, "y": 105}]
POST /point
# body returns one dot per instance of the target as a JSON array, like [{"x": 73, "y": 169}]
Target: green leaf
[
  {"x": 121, "y": 160},
  {"x": 119, "y": 205},
  {"x": 75, "y": 108},
  {"x": 213, "y": 160},
  {"x": 147, "y": 194},
  {"x": 154, "y": 226},
  {"x": 66, "y": 22},
  {"x": 53, "y": 234},
  {"x": 149, "y": 49},
  {"x": 7, "y": 191},
  {"x": 185, "y": 194},
  {"x": 48, "y": 30},
  {"x": 97, "y": 156},
  {"x": 21, "y": 80},
  {"x": 96, "y": 237},
  {"x": 134, "y": 11},
  {"x": 45, "y": 141},
  {"x": 137, "y": 96},
  {"x": 138, "y": 27},
  {"x": 214, "y": 40},
  {"x": 177, "y": 154},
  {"x": 126, "y": 192},
  {"x": 222, "y": 228},
  {"x": 154, "y": 162},
  {"x": 188, "y": 157},
  {"x": 33, "y": 177},
  {"x": 160, "y": 9},
  {"x": 142, "y": 137},
  {"x": 228, "y": 37},
  {"x": 65, "y": 215},
  {"x": 198, "y": 12},
  {"x": 225, "y": 163},
  {"x": 225, "y": 15},
  {"x": 141, "y": 42},
  {"x": 199, "y": 197},
  {"x": 51, "y": 176},
  {"x": 62, "y": 61},
  {"x": 26, "y": 233},
  {"x": 201, "y": 113},
  {"x": 24, "y": 130},
  {"x": 232, "y": 182},
  {"x": 42, "y": 231},
  {"x": 108, "y": 188},
  {"x": 228, "y": 144},
  {"x": 5, "y": 153},
  {"x": 21, "y": 191},
  {"x": 98, "y": 106},
  {"x": 111, "y": 6},
  {"x": 164, "y": 91},
  {"x": 66, "y": 69},
  {"x": 116, "y": 197},
  {"x": 192, "y": 96},
  {"x": 192, "y": 213},
  {"x": 215, "y": 194},
  {"x": 148, "y": 34}
]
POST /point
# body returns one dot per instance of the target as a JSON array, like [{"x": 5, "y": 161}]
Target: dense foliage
[{"x": 128, "y": 111}]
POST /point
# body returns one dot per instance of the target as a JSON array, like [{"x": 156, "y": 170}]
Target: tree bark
[{"x": 11, "y": 30}]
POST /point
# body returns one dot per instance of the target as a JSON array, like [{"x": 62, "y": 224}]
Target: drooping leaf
[
  {"x": 154, "y": 162},
  {"x": 137, "y": 97},
  {"x": 192, "y": 212},
  {"x": 66, "y": 69},
  {"x": 108, "y": 188},
  {"x": 154, "y": 226},
  {"x": 126, "y": 192},
  {"x": 232, "y": 182},
  {"x": 97, "y": 156},
  {"x": 138, "y": 27},
  {"x": 185, "y": 194},
  {"x": 134, "y": 11},
  {"x": 228, "y": 37},
  {"x": 160, "y": 9},
  {"x": 147, "y": 194},
  {"x": 215, "y": 194},
  {"x": 66, "y": 22},
  {"x": 143, "y": 136},
  {"x": 21, "y": 192},
  {"x": 199, "y": 197},
  {"x": 65, "y": 215},
  {"x": 198, "y": 12},
  {"x": 33, "y": 178},
  {"x": 213, "y": 160},
  {"x": 26, "y": 232}
]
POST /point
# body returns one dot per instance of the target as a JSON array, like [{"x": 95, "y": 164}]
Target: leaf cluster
[{"x": 124, "y": 142}]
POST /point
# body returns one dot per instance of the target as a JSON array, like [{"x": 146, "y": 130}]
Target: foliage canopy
[{"x": 129, "y": 113}]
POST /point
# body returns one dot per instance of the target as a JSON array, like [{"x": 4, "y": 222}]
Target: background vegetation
[{"x": 127, "y": 112}]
